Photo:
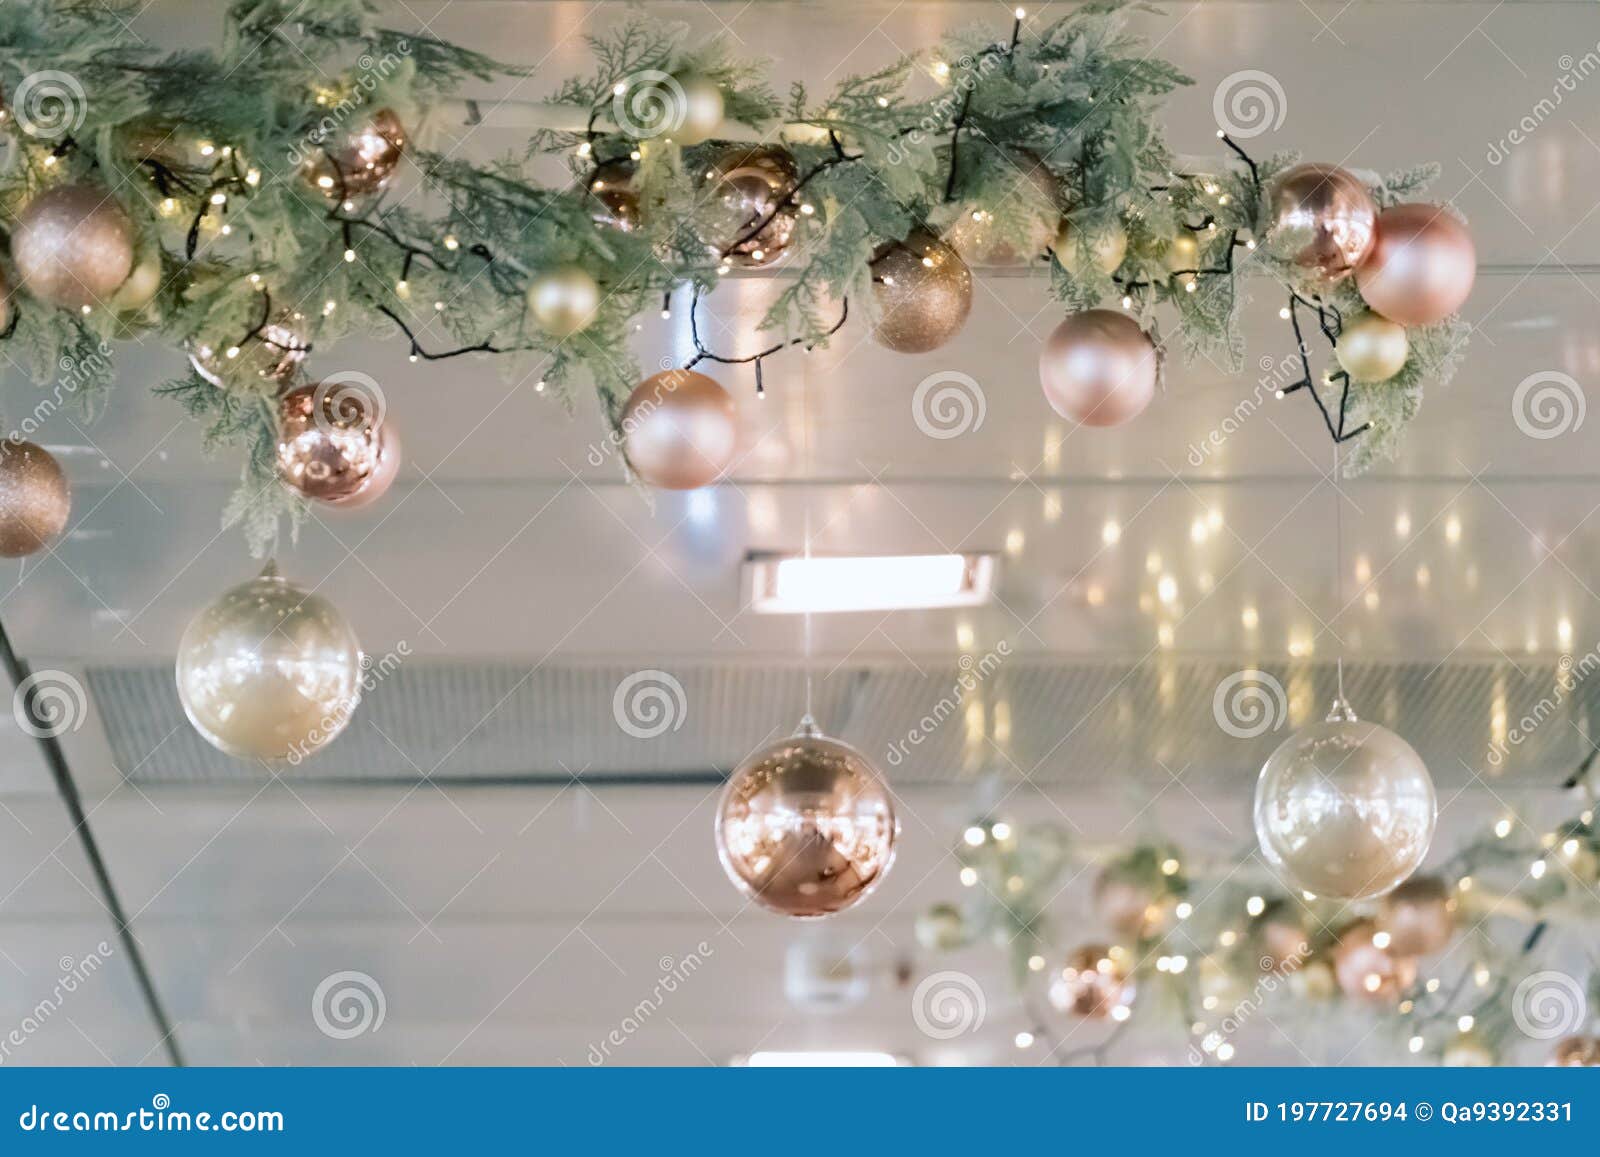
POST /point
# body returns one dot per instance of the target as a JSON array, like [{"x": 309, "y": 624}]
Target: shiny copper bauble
[
  {"x": 613, "y": 189},
  {"x": 1094, "y": 983},
  {"x": 360, "y": 161},
  {"x": 1032, "y": 192},
  {"x": 1124, "y": 904},
  {"x": 806, "y": 826},
  {"x": 1372, "y": 348},
  {"x": 269, "y": 671},
  {"x": 1577, "y": 1050},
  {"x": 1419, "y": 916},
  {"x": 1099, "y": 368},
  {"x": 923, "y": 292},
  {"x": 1422, "y": 267},
  {"x": 748, "y": 187},
  {"x": 73, "y": 246},
  {"x": 168, "y": 143},
  {"x": 35, "y": 501},
  {"x": 680, "y": 430},
  {"x": 1367, "y": 972},
  {"x": 267, "y": 360},
  {"x": 1344, "y": 808},
  {"x": 334, "y": 444},
  {"x": 1323, "y": 220}
]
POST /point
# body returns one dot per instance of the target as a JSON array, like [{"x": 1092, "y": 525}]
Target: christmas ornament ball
[
  {"x": 35, "y": 500},
  {"x": 1104, "y": 246},
  {"x": 1367, "y": 972},
  {"x": 1419, "y": 916},
  {"x": 1577, "y": 1051},
  {"x": 613, "y": 187},
  {"x": 5, "y": 301},
  {"x": 923, "y": 291},
  {"x": 1344, "y": 808},
  {"x": 563, "y": 300},
  {"x": 360, "y": 162},
  {"x": 680, "y": 430},
  {"x": 1099, "y": 368},
  {"x": 750, "y": 186},
  {"x": 73, "y": 246},
  {"x": 142, "y": 285},
  {"x": 806, "y": 826},
  {"x": 1033, "y": 194},
  {"x": 703, "y": 109},
  {"x": 1125, "y": 905},
  {"x": 269, "y": 671},
  {"x": 941, "y": 928},
  {"x": 1323, "y": 220},
  {"x": 1372, "y": 348},
  {"x": 334, "y": 444},
  {"x": 1421, "y": 267},
  {"x": 270, "y": 358},
  {"x": 1094, "y": 984}
]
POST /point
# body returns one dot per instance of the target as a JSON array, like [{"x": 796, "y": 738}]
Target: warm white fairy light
[
  {"x": 1502, "y": 828},
  {"x": 1415, "y": 1044},
  {"x": 1255, "y": 905},
  {"x": 974, "y": 836},
  {"x": 1169, "y": 867},
  {"x": 969, "y": 877},
  {"x": 1024, "y": 1040}
]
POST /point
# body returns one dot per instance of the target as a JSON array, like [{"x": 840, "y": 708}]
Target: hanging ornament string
[
  {"x": 805, "y": 547},
  {"x": 1338, "y": 574}
]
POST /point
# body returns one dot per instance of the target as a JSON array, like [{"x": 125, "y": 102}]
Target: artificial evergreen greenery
[{"x": 444, "y": 268}]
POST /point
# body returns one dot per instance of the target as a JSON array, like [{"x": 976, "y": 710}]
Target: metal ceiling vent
[{"x": 1054, "y": 722}]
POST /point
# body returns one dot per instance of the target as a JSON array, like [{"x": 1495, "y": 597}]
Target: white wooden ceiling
[{"x": 521, "y": 924}]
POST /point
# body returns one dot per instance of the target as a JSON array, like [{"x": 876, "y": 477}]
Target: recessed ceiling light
[{"x": 792, "y": 584}]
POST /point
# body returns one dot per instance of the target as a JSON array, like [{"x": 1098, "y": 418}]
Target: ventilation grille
[{"x": 1057, "y": 723}]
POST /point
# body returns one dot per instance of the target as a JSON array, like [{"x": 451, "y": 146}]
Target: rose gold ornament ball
[
  {"x": 1125, "y": 905},
  {"x": 73, "y": 246},
  {"x": 335, "y": 446},
  {"x": 1093, "y": 983},
  {"x": 362, "y": 161},
  {"x": 1422, "y": 267},
  {"x": 751, "y": 187},
  {"x": 923, "y": 291},
  {"x": 35, "y": 501},
  {"x": 1419, "y": 916},
  {"x": 680, "y": 430},
  {"x": 1323, "y": 220},
  {"x": 1099, "y": 368},
  {"x": 1367, "y": 972},
  {"x": 806, "y": 826},
  {"x": 614, "y": 188},
  {"x": 1577, "y": 1051}
]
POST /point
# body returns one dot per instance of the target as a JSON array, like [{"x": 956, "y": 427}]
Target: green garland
[{"x": 240, "y": 232}]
